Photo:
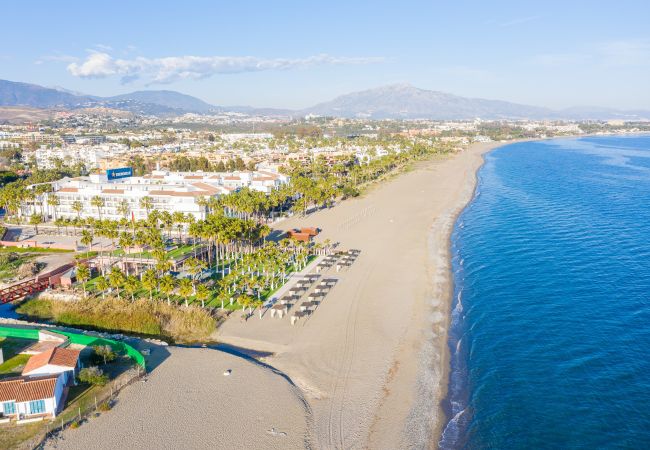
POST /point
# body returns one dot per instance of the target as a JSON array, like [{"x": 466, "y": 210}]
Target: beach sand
[
  {"x": 370, "y": 366},
  {"x": 187, "y": 403},
  {"x": 372, "y": 361}
]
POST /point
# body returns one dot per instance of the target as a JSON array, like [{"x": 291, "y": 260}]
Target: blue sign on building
[{"x": 122, "y": 172}]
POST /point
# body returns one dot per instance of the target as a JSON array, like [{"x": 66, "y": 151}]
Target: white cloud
[
  {"x": 173, "y": 68},
  {"x": 56, "y": 58}
]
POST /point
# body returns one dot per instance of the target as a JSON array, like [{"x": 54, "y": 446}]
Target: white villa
[
  {"x": 25, "y": 398},
  {"x": 57, "y": 360}
]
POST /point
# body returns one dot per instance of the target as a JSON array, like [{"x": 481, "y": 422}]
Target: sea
[{"x": 550, "y": 332}]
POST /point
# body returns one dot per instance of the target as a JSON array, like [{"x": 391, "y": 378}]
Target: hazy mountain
[
  {"x": 141, "y": 102},
  {"x": 399, "y": 101},
  {"x": 408, "y": 102},
  {"x": 169, "y": 99},
  {"x": 24, "y": 94}
]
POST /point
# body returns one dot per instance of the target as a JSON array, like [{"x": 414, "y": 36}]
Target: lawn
[
  {"x": 172, "y": 254},
  {"x": 33, "y": 250},
  {"x": 13, "y": 361}
]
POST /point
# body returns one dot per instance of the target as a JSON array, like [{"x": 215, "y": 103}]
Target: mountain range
[{"x": 398, "y": 101}]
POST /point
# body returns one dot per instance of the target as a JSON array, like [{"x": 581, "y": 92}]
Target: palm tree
[
  {"x": 53, "y": 201},
  {"x": 98, "y": 202},
  {"x": 179, "y": 219},
  {"x": 87, "y": 240},
  {"x": 150, "y": 281},
  {"x": 116, "y": 278},
  {"x": 146, "y": 203},
  {"x": 167, "y": 286},
  {"x": 131, "y": 285},
  {"x": 123, "y": 208},
  {"x": 102, "y": 284},
  {"x": 83, "y": 275},
  {"x": 185, "y": 289},
  {"x": 35, "y": 219},
  {"x": 77, "y": 207},
  {"x": 126, "y": 242},
  {"x": 194, "y": 267},
  {"x": 258, "y": 304},
  {"x": 245, "y": 301},
  {"x": 202, "y": 293}
]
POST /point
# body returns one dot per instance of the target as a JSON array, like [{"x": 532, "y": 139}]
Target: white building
[
  {"x": 25, "y": 398},
  {"x": 56, "y": 360},
  {"x": 168, "y": 191}
]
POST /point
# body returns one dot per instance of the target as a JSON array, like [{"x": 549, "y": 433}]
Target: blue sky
[{"x": 297, "y": 53}]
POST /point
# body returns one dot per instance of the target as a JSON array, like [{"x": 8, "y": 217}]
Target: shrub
[
  {"x": 29, "y": 269},
  {"x": 103, "y": 407},
  {"x": 6, "y": 258},
  {"x": 142, "y": 316},
  {"x": 74, "y": 424},
  {"x": 103, "y": 354},
  {"x": 93, "y": 375}
]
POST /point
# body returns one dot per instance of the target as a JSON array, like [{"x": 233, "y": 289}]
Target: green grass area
[
  {"x": 13, "y": 360},
  {"x": 13, "y": 366},
  {"x": 172, "y": 254},
  {"x": 33, "y": 250}
]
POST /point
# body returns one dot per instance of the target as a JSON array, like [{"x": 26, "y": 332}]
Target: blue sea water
[{"x": 550, "y": 334}]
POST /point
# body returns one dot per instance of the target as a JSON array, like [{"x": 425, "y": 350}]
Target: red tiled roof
[
  {"x": 113, "y": 191},
  {"x": 9, "y": 389},
  {"x": 68, "y": 190},
  {"x": 25, "y": 389},
  {"x": 206, "y": 187},
  {"x": 57, "y": 356}
]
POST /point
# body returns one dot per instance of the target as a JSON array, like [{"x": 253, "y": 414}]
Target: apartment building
[{"x": 122, "y": 193}]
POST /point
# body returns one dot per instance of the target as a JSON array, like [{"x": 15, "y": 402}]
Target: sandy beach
[
  {"x": 188, "y": 403},
  {"x": 372, "y": 360},
  {"x": 367, "y": 369}
]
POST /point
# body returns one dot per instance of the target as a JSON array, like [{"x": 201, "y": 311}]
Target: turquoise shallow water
[{"x": 550, "y": 334}]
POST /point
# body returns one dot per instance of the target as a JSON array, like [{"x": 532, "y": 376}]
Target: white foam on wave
[
  {"x": 450, "y": 433},
  {"x": 459, "y": 304}
]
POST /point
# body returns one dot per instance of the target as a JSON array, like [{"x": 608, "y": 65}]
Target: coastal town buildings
[{"x": 121, "y": 195}]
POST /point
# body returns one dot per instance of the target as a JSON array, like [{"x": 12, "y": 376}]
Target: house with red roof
[
  {"x": 57, "y": 360},
  {"x": 32, "y": 398}
]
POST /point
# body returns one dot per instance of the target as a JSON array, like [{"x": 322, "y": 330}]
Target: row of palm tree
[{"x": 247, "y": 280}]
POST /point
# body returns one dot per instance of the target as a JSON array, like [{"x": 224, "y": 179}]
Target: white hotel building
[{"x": 169, "y": 191}]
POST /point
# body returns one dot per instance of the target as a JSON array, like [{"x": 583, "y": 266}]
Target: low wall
[{"x": 76, "y": 338}]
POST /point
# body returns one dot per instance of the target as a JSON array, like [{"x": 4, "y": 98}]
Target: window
[
  {"x": 9, "y": 408},
  {"x": 37, "y": 406}
]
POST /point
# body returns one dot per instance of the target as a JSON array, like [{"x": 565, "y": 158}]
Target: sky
[{"x": 294, "y": 54}]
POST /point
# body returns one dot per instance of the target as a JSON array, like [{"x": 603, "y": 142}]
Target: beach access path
[{"x": 372, "y": 360}]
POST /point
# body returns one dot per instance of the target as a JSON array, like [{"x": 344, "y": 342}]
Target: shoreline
[
  {"x": 373, "y": 378},
  {"x": 472, "y": 185},
  {"x": 441, "y": 299}
]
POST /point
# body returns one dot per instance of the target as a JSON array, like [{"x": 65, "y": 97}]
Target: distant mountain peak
[{"x": 393, "y": 101}]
